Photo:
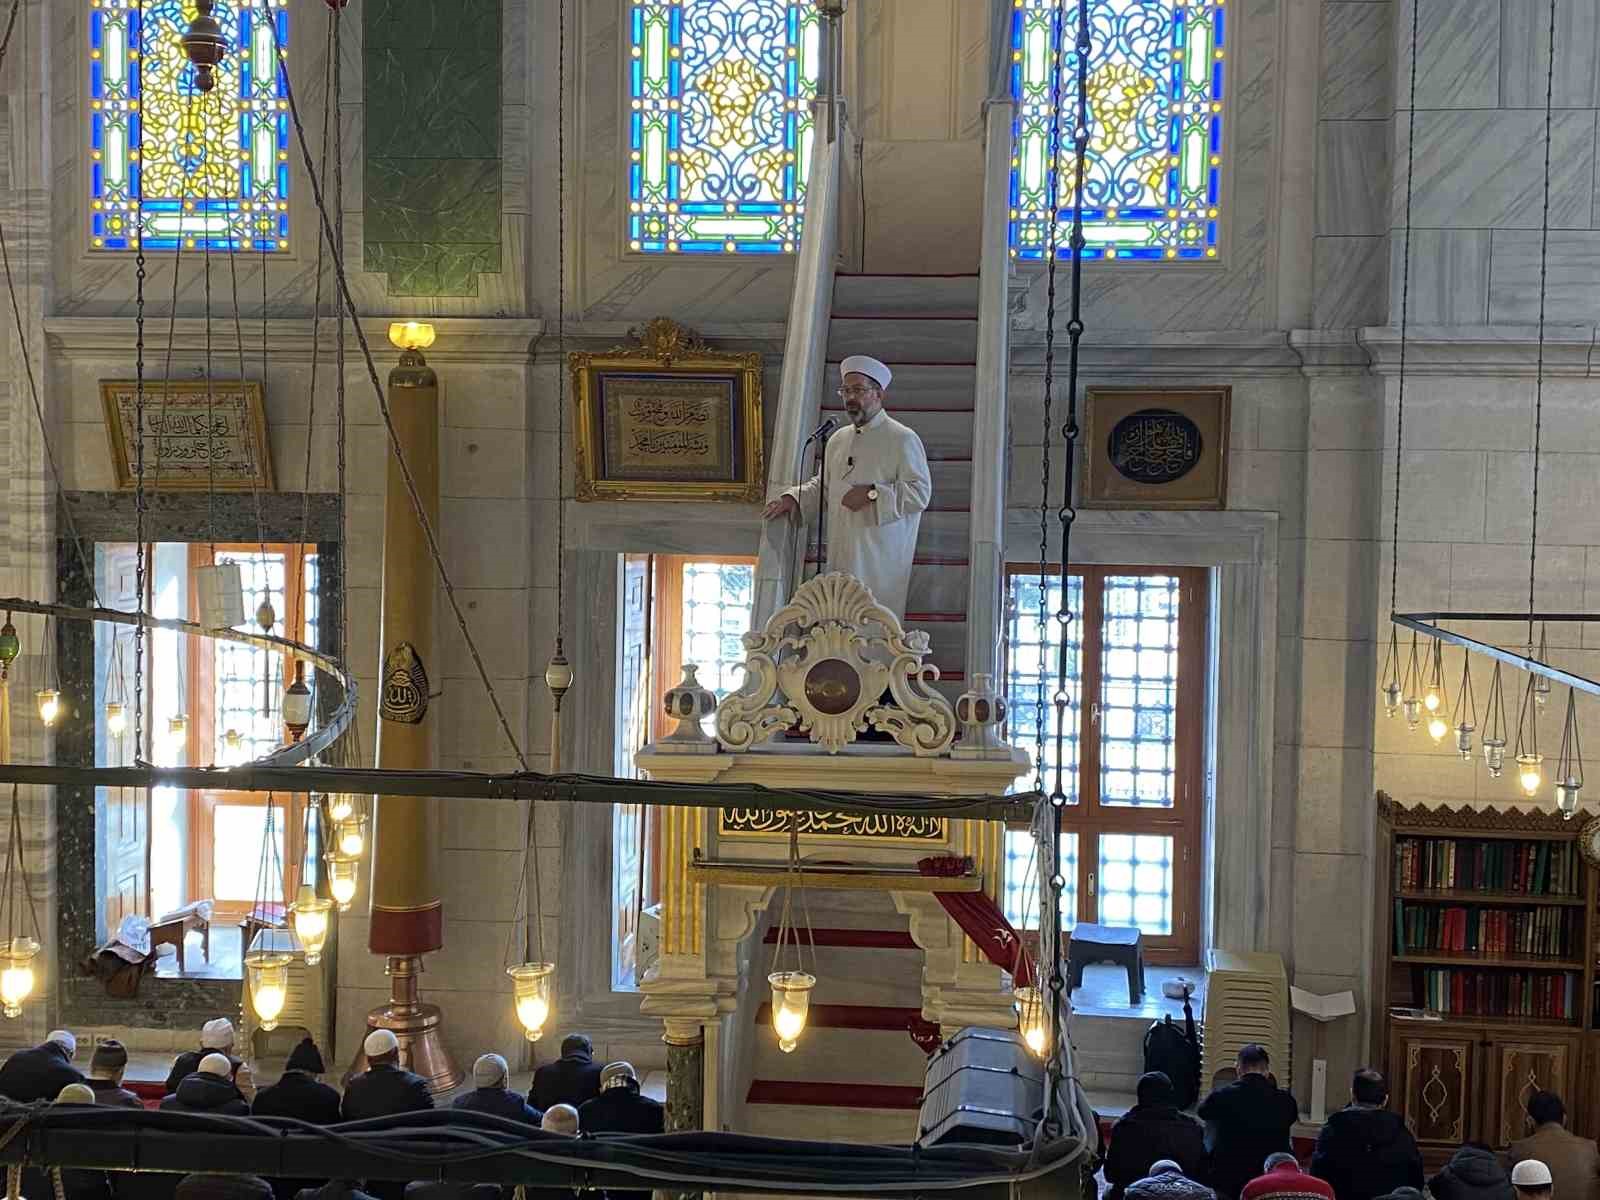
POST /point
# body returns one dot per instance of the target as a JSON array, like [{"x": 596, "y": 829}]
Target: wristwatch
[{"x": 872, "y": 492}]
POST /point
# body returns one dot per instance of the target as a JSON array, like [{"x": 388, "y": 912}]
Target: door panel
[
  {"x": 633, "y": 723},
  {"x": 1437, "y": 1086},
  {"x": 127, "y": 809},
  {"x": 1522, "y": 1068}
]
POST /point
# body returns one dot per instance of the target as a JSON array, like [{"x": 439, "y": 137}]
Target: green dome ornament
[{"x": 10, "y": 646}]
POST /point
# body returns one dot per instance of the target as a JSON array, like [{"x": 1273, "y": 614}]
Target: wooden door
[
  {"x": 634, "y": 694},
  {"x": 1521, "y": 1067},
  {"x": 1435, "y": 1086},
  {"x": 127, "y": 809}
]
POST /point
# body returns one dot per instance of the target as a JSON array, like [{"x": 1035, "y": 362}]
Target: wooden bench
[{"x": 1119, "y": 944}]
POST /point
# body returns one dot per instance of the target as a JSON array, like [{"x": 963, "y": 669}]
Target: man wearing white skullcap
[
  {"x": 489, "y": 1093},
  {"x": 878, "y": 488},
  {"x": 41, "y": 1073},
  {"x": 216, "y": 1036},
  {"x": 209, "y": 1089}
]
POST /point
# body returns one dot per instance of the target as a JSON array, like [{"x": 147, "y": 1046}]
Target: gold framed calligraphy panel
[
  {"x": 668, "y": 419},
  {"x": 197, "y": 435},
  {"x": 877, "y": 827},
  {"x": 1156, "y": 448}
]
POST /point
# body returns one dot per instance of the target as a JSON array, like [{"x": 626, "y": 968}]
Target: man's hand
[
  {"x": 781, "y": 507},
  {"x": 856, "y": 498}
]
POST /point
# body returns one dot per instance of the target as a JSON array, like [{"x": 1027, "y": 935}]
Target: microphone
[{"x": 823, "y": 430}]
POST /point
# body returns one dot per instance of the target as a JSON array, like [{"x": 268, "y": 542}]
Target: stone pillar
[{"x": 686, "y": 1084}]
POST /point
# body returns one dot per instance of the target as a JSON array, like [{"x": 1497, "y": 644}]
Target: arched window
[
  {"x": 169, "y": 163},
  {"x": 720, "y": 124},
  {"x": 1153, "y": 180}
]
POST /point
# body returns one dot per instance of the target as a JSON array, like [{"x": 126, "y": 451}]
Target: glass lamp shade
[
  {"x": 49, "y": 701},
  {"x": 16, "y": 974},
  {"x": 1391, "y": 699},
  {"x": 342, "y": 873},
  {"x": 310, "y": 914},
  {"x": 297, "y": 704},
  {"x": 1413, "y": 711},
  {"x": 340, "y": 806},
  {"x": 10, "y": 643},
  {"x": 411, "y": 335},
  {"x": 116, "y": 719},
  {"x": 1530, "y": 773},
  {"x": 1031, "y": 1022},
  {"x": 351, "y": 837},
  {"x": 1567, "y": 797},
  {"x": 1437, "y": 728},
  {"x": 1494, "y": 756},
  {"x": 791, "y": 1004},
  {"x": 1541, "y": 689},
  {"x": 267, "y": 972},
  {"x": 1464, "y": 739},
  {"x": 530, "y": 982}
]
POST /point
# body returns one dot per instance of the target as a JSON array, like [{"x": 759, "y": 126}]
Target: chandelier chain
[
  {"x": 1405, "y": 313},
  {"x": 1544, "y": 262}
]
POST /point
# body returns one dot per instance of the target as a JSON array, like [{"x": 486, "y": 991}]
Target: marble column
[{"x": 686, "y": 1084}]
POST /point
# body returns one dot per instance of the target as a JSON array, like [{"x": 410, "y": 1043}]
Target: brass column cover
[{"x": 407, "y": 914}]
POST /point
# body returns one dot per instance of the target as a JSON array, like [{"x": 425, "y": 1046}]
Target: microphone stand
[{"x": 822, "y": 502}]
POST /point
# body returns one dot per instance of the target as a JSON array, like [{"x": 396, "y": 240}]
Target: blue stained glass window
[
  {"x": 176, "y": 166},
  {"x": 720, "y": 124},
  {"x": 1152, "y": 188}
]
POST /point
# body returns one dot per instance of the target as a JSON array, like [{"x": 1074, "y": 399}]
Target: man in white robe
[{"x": 878, "y": 487}]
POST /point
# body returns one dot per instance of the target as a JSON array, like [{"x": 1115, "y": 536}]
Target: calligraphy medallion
[{"x": 1154, "y": 445}]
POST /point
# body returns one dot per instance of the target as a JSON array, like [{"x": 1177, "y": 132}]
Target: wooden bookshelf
[{"x": 1485, "y": 924}]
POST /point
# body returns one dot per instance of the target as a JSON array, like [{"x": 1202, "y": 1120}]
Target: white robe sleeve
[
  {"x": 809, "y": 496},
  {"x": 911, "y": 489}
]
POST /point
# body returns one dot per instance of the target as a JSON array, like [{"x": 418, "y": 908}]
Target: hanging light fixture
[
  {"x": 1466, "y": 711},
  {"x": 1411, "y": 703},
  {"x": 1541, "y": 683},
  {"x": 116, "y": 691},
  {"x": 530, "y": 983},
  {"x": 48, "y": 698},
  {"x": 310, "y": 914},
  {"x": 791, "y": 986},
  {"x": 1530, "y": 763},
  {"x": 1569, "y": 764},
  {"x": 343, "y": 875},
  {"x": 340, "y": 806},
  {"x": 1391, "y": 675},
  {"x": 49, "y": 701},
  {"x": 10, "y": 647},
  {"x": 16, "y": 974},
  {"x": 1031, "y": 1022},
  {"x": 116, "y": 718},
  {"x": 266, "y": 964},
  {"x": 1435, "y": 700},
  {"x": 297, "y": 703},
  {"x": 350, "y": 836},
  {"x": 266, "y": 616},
  {"x": 268, "y": 972},
  {"x": 204, "y": 45},
  {"x": 1494, "y": 734},
  {"x": 18, "y": 949}
]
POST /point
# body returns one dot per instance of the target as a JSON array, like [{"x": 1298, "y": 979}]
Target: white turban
[
  {"x": 217, "y": 1034},
  {"x": 861, "y": 364}
]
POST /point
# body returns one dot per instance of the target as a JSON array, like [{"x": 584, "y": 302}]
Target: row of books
[
  {"x": 1533, "y": 868},
  {"x": 1470, "y": 929},
  {"x": 1454, "y": 991}
]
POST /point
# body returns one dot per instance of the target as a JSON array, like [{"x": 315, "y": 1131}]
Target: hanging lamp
[
  {"x": 266, "y": 965},
  {"x": 1541, "y": 683},
  {"x": 1530, "y": 762},
  {"x": 1465, "y": 715},
  {"x": 1435, "y": 700},
  {"x": 1494, "y": 734},
  {"x": 297, "y": 704},
  {"x": 1411, "y": 704},
  {"x": 1569, "y": 764},
  {"x": 1391, "y": 689},
  {"x": 18, "y": 949},
  {"x": 791, "y": 985}
]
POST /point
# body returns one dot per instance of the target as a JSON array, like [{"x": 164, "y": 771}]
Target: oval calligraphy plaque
[
  {"x": 1154, "y": 446},
  {"x": 832, "y": 686}
]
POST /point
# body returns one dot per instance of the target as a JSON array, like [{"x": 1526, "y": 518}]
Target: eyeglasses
[{"x": 856, "y": 389}]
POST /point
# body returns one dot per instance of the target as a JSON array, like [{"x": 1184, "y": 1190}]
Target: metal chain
[
  {"x": 138, "y": 440},
  {"x": 1538, "y": 378},
  {"x": 1405, "y": 309},
  {"x": 561, "y": 321}
]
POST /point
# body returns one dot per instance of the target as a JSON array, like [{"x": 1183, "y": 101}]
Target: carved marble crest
[{"x": 822, "y": 664}]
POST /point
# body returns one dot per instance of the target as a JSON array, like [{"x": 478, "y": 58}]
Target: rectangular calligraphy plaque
[
  {"x": 196, "y": 435},
  {"x": 1155, "y": 448},
  {"x": 879, "y": 827}
]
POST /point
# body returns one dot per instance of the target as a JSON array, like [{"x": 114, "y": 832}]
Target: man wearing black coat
[
  {"x": 299, "y": 1093},
  {"x": 489, "y": 1093},
  {"x": 385, "y": 1090},
  {"x": 1246, "y": 1120},
  {"x": 1364, "y": 1150},
  {"x": 209, "y": 1090},
  {"x": 619, "y": 1108},
  {"x": 1474, "y": 1172},
  {"x": 216, "y": 1037},
  {"x": 573, "y": 1079},
  {"x": 1152, "y": 1130},
  {"x": 41, "y": 1073}
]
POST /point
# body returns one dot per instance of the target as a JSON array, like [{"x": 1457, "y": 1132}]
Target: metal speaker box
[{"x": 982, "y": 1086}]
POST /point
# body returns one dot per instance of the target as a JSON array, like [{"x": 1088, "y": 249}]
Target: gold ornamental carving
[{"x": 821, "y": 666}]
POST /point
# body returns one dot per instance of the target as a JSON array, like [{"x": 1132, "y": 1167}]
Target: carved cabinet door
[
  {"x": 1436, "y": 1084},
  {"x": 1519, "y": 1068}
]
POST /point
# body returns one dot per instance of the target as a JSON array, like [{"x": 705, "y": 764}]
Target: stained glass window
[
  {"x": 1152, "y": 187},
  {"x": 172, "y": 164},
  {"x": 720, "y": 125}
]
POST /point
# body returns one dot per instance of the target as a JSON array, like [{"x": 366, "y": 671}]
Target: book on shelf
[
  {"x": 1479, "y": 929},
  {"x": 1525, "y": 867},
  {"x": 1471, "y": 992}
]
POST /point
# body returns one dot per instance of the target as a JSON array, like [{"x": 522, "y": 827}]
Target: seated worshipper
[
  {"x": 1573, "y": 1161},
  {"x": 1364, "y": 1150},
  {"x": 1473, "y": 1173},
  {"x": 1167, "y": 1181},
  {"x": 41, "y": 1073},
  {"x": 878, "y": 487},
  {"x": 216, "y": 1036},
  {"x": 1285, "y": 1179},
  {"x": 106, "y": 1067},
  {"x": 209, "y": 1090},
  {"x": 490, "y": 1074},
  {"x": 299, "y": 1093},
  {"x": 335, "y": 1189},
  {"x": 571, "y": 1079},
  {"x": 1246, "y": 1120},
  {"x": 1531, "y": 1179},
  {"x": 223, "y": 1187},
  {"x": 562, "y": 1119},
  {"x": 76, "y": 1184},
  {"x": 1153, "y": 1130},
  {"x": 385, "y": 1089},
  {"x": 619, "y": 1108}
]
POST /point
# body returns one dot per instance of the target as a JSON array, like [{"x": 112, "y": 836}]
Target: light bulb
[
  {"x": 1437, "y": 728},
  {"x": 49, "y": 704},
  {"x": 16, "y": 985},
  {"x": 268, "y": 1000},
  {"x": 1391, "y": 699},
  {"x": 268, "y": 972},
  {"x": 788, "y": 1024},
  {"x": 1464, "y": 739},
  {"x": 1413, "y": 711},
  {"x": 1431, "y": 700},
  {"x": 533, "y": 1012},
  {"x": 340, "y": 806},
  {"x": 342, "y": 873},
  {"x": 352, "y": 838},
  {"x": 530, "y": 982},
  {"x": 791, "y": 1003},
  {"x": 116, "y": 719},
  {"x": 1030, "y": 1020},
  {"x": 311, "y": 922},
  {"x": 1530, "y": 773}
]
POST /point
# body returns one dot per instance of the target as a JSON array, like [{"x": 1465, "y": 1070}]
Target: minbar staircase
[
  {"x": 925, "y": 327},
  {"x": 856, "y": 1075}
]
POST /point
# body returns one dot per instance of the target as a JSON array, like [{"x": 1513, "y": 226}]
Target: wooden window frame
[{"x": 1184, "y": 821}]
